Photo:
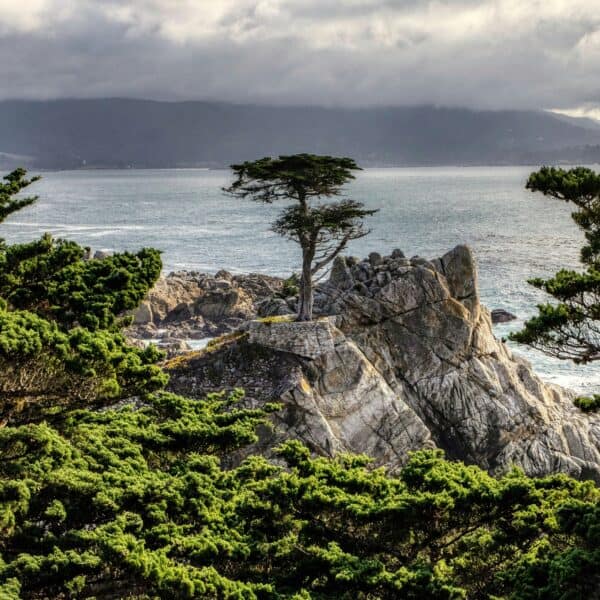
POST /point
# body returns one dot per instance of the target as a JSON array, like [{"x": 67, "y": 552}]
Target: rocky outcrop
[
  {"x": 331, "y": 395},
  {"x": 194, "y": 305},
  {"x": 403, "y": 357},
  {"x": 499, "y": 315}
]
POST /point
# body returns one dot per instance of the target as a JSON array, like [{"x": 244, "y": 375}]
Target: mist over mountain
[{"x": 125, "y": 133}]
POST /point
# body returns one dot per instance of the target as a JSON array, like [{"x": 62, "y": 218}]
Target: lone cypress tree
[
  {"x": 570, "y": 329},
  {"x": 322, "y": 230}
]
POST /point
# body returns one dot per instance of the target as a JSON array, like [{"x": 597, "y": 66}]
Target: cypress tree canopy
[
  {"x": 13, "y": 184},
  {"x": 569, "y": 328},
  {"x": 133, "y": 503},
  {"x": 321, "y": 230}
]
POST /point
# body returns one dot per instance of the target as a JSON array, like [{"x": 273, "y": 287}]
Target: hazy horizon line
[{"x": 275, "y": 104}]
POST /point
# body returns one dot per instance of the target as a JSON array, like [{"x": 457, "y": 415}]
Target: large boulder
[
  {"x": 143, "y": 314},
  {"x": 499, "y": 315},
  {"x": 407, "y": 361},
  {"x": 224, "y": 302},
  {"x": 273, "y": 307},
  {"x": 306, "y": 339}
]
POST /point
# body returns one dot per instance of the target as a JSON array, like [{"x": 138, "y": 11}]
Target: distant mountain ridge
[{"x": 124, "y": 133}]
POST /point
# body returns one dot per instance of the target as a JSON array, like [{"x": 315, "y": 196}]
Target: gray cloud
[{"x": 486, "y": 53}]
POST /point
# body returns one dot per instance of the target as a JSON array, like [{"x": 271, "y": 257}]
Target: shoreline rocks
[
  {"x": 191, "y": 305},
  {"x": 499, "y": 315}
]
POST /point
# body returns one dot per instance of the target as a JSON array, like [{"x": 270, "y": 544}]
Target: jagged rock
[
  {"x": 273, "y": 307},
  {"x": 143, "y": 314},
  {"x": 405, "y": 365},
  {"x": 145, "y": 331},
  {"x": 340, "y": 275},
  {"x": 499, "y": 315},
  {"x": 460, "y": 273},
  {"x": 172, "y": 291},
  {"x": 375, "y": 259},
  {"x": 419, "y": 261},
  {"x": 182, "y": 312},
  {"x": 305, "y": 339},
  {"x": 332, "y": 397},
  {"x": 222, "y": 274},
  {"x": 223, "y": 303},
  {"x": 173, "y": 347}
]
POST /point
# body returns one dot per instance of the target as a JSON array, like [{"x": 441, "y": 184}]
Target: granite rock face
[
  {"x": 332, "y": 397},
  {"x": 403, "y": 357}
]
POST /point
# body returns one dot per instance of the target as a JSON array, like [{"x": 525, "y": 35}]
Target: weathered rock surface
[
  {"x": 407, "y": 361},
  {"x": 193, "y": 305},
  {"x": 333, "y": 398}
]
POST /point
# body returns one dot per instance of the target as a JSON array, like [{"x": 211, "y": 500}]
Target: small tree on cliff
[
  {"x": 570, "y": 329},
  {"x": 322, "y": 230}
]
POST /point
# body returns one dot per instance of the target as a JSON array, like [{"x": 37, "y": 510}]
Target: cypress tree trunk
[
  {"x": 308, "y": 253},
  {"x": 306, "y": 286}
]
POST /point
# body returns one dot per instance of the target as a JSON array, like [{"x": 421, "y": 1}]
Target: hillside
[{"x": 140, "y": 133}]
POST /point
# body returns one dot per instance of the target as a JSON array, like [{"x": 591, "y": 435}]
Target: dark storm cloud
[{"x": 487, "y": 53}]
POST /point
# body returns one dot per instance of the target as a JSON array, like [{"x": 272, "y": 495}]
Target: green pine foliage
[
  {"x": 51, "y": 278},
  {"x": 60, "y": 319},
  {"x": 588, "y": 403},
  {"x": 134, "y": 503},
  {"x": 45, "y": 369},
  {"x": 119, "y": 502},
  {"x": 11, "y": 186},
  {"x": 290, "y": 287},
  {"x": 569, "y": 328}
]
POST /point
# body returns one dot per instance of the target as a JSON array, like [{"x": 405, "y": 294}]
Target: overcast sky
[{"x": 477, "y": 53}]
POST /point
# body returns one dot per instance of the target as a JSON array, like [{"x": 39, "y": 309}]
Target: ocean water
[{"x": 514, "y": 234}]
